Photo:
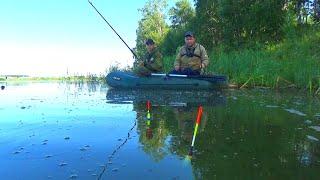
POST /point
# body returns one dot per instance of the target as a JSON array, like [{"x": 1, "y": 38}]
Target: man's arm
[
  {"x": 158, "y": 62},
  {"x": 177, "y": 62},
  {"x": 204, "y": 57}
]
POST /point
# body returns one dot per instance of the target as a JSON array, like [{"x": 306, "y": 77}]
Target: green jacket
[
  {"x": 153, "y": 61},
  {"x": 192, "y": 57}
]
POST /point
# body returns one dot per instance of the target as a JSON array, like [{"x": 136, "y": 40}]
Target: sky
[{"x": 53, "y": 37}]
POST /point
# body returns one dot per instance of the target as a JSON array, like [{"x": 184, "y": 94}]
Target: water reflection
[
  {"x": 170, "y": 129},
  {"x": 80, "y": 129},
  {"x": 167, "y": 97},
  {"x": 85, "y": 87},
  {"x": 248, "y": 135}
]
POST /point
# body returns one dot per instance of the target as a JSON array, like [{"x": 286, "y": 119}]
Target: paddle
[{"x": 211, "y": 78}]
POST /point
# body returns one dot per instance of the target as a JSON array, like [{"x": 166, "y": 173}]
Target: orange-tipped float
[
  {"x": 149, "y": 133},
  {"x": 199, "y": 115},
  {"x": 148, "y": 110}
]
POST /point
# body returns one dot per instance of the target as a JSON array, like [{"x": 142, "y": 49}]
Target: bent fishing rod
[{"x": 134, "y": 54}]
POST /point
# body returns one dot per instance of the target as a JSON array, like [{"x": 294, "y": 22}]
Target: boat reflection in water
[
  {"x": 167, "y": 97},
  {"x": 239, "y": 136},
  {"x": 172, "y": 117}
]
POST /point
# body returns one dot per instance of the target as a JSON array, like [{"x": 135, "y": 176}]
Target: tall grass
[
  {"x": 294, "y": 62},
  {"x": 168, "y": 63}
]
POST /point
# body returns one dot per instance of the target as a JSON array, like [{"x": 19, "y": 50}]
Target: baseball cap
[
  {"x": 149, "y": 42},
  {"x": 189, "y": 33}
]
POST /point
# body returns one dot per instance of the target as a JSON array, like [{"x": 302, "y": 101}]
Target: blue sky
[{"x": 47, "y": 37}]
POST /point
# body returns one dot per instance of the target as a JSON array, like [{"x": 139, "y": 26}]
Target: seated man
[
  {"x": 152, "y": 61},
  {"x": 192, "y": 57}
]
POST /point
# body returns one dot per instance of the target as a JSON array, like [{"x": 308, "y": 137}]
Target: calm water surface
[{"x": 87, "y": 131}]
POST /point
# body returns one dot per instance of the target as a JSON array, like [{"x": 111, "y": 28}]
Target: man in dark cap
[
  {"x": 152, "y": 61},
  {"x": 192, "y": 57}
]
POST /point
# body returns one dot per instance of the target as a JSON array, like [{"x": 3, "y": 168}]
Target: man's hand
[
  {"x": 202, "y": 66},
  {"x": 141, "y": 63}
]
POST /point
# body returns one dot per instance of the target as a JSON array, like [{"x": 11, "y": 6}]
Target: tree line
[{"x": 224, "y": 24}]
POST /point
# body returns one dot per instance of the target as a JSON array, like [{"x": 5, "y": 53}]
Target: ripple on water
[
  {"x": 293, "y": 111},
  {"x": 73, "y": 176},
  {"x": 312, "y": 138},
  {"x": 48, "y": 156},
  {"x": 85, "y": 148},
  {"x": 317, "y": 128},
  {"x": 272, "y": 106},
  {"x": 16, "y": 152},
  {"x": 67, "y": 138},
  {"x": 307, "y": 122},
  {"x": 115, "y": 169},
  {"x": 63, "y": 164}
]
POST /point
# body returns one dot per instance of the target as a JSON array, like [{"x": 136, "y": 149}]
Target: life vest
[
  {"x": 190, "y": 52},
  {"x": 191, "y": 57}
]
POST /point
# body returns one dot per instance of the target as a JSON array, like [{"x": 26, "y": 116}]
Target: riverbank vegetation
[
  {"x": 273, "y": 44},
  {"x": 75, "y": 78}
]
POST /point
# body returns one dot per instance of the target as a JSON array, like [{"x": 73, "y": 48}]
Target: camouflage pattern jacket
[{"x": 192, "y": 57}]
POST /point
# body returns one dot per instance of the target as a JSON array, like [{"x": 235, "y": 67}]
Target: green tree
[
  {"x": 207, "y": 24},
  {"x": 152, "y": 25},
  {"x": 181, "y": 16},
  {"x": 306, "y": 11},
  {"x": 316, "y": 11},
  {"x": 238, "y": 23}
]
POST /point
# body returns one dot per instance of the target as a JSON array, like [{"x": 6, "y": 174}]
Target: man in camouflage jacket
[
  {"x": 192, "y": 57},
  {"x": 152, "y": 61}
]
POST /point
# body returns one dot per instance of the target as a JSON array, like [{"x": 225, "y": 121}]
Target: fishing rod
[{"x": 134, "y": 54}]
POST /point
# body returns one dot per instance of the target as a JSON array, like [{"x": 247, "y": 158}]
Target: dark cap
[
  {"x": 149, "y": 42},
  {"x": 189, "y": 33}
]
